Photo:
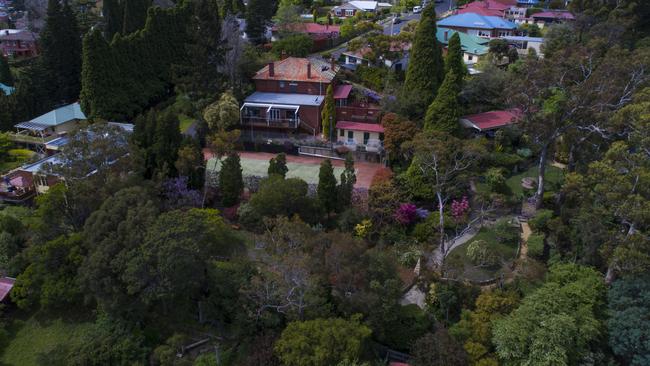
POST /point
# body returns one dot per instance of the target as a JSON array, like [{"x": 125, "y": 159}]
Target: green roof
[{"x": 470, "y": 44}]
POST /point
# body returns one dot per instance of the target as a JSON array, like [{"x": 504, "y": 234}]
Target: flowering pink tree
[
  {"x": 459, "y": 209},
  {"x": 406, "y": 214}
]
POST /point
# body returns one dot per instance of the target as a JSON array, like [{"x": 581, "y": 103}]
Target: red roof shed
[{"x": 490, "y": 120}]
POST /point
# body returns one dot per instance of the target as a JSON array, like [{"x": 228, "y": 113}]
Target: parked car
[
  {"x": 417, "y": 9},
  {"x": 397, "y": 20},
  {"x": 351, "y": 144},
  {"x": 374, "y": 145}
]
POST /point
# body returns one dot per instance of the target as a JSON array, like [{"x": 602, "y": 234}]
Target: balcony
[
  {"x": 284, "y": 123},
  {"x": 31, "y": 139}
]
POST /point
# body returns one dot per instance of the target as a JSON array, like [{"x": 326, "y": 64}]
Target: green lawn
[
  {"x": 259, "y": 168},
  {"x": 459, "y": 255},
  {"x": 554, "y": 176},
  {"x": 16, "y": 158},
  {"x": 32, "y": 336},
  {"x": 185, "y": 122}
]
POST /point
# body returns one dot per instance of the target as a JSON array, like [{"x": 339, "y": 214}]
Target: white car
[{"x": 417, "y": 9}]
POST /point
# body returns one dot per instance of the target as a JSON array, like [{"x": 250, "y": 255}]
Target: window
[
  {"x": 482, "y": 33},
  {"x": 274, "y": 114},
  {"x": 470, "y": 57},
  {"x": 350, "y": 135},
  {"x": 282, "y": 85},
  {"x": 41, "y": 180},
  {"x": 366, "y": 137},
  {"x": 381, "y": 137},
  {"x": 342, "y": 133},
  {"x": 293, "y": 87},
  {"x": 349, "y": 13}
]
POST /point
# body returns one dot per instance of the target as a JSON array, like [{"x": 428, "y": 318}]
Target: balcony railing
[
  {"x": 25, "y": 138},
  {"x": 272, "y": 123}
]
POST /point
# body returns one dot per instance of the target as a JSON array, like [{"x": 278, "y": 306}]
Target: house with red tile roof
[
  {"x": 486, "y": 8},
  {"x": 289, "y": 95},
  {"x": 324, "y": 36},
  {"x": 489, "y": 121}
]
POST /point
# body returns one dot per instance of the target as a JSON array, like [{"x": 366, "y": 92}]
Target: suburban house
[
  {"x": 473, "y": 47},
  {"x": 6, "y": 284},
  {"x": 351, "y": 8},
  {"x": 479, "y": 25},
  {"x": 398, "y": 60},
  {"x": 289, "y": 95},
  {"x": 487, "y": 122},
  {"x": 360, "y": 133},
  {"x": 324, "y": 36},
  {"x": 552, "y": 16},
  {"x": 524, "y": 44},
  {"x": 484, "y": 7},
  {"x": 18, "y": 43},
  {"x": 49, "y": 126}
]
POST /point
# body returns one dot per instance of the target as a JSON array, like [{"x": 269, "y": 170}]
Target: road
[{"x": 393, "y": 29}]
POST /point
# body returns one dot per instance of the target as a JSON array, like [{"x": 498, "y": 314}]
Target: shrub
[
  {"x": 536, "y": 246},
  {"x": 539, "y": 222},
  {"x": 406, "y": 214},
  {"x": 349, "y": 219},
  {"x": 506, "y": 232},
  {"x": 496, "y": 180}
]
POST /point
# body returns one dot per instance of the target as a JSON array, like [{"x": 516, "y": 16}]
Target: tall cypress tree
[
  {"x": 444, "y": 111},
  {"x": 167, "y": 140},
  {"x": 326, "y": 191},
  {"x": 113, "y": 18},
  {"x": 61, "y": 52},
  {"x": 135, "y": 15},
  {"x": 199, "y": 75},
  {"x": 426, "y": 69},
  {"x": 348, "y": 179},
  {"x": 231, "y": 182},
  {"x": 328, "y": 114},
  {"x": 258, "y": 16},
  {"x": 454, "y": 59},
  {"x": 5, "y": 73},
  {"x": 98, "y": 96}
]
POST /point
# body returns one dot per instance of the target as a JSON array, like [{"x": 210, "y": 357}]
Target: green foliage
[
  {"x": 60, "y": 47},
  {"x": 278, "y": 196},
  {"x": 438, "y": 349},
  {"x": 321, "y": 342},
  {"x": 506, "y": 232},
  {"x": 326, "y": 191},
  {"x": 629, "y": 324},
  {"x": 258, "y": 15},
  {"x": 348, "y": 179},
  {"x": 374, "y": 77},
  {"x": 223, "y": 114},
  {"x": 113, "y": 13},
  {"x": 121, "y": 79},
  {"x": 540, "y": 222},
  {"x": 445, "y": 110},
  {"x": 5, "y": 73},
  {"x": 50, "y": 279},
  {"x": 328, "y": 114},
  {"x": 135, "y": 15},
  {"x": 231, "y": 182},
  {"x": 536, "y": 246},
  {"x": 295, "y": 45},
  {"x": 481, "y": 254},
  {"x": 454, "y": 60},
  {"x": 190, "y": 163},
  {"x": 157, "y": 138},
  {"x": 556, "y": 324},
  {"x": 426, "y": 68},
  {"x": 445, "y": 300},
  {"x": 496, "y": 181},
  {"x": 278, "y": 165}
]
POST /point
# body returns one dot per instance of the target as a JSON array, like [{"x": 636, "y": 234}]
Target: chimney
[
  {"x": 446, "y": 35},
  {"x": 309, "y": 70},
  {"x": 271, "y": 69}
]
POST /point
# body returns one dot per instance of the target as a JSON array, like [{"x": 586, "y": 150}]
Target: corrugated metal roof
[
  {"x": 470, "y": 44},
  {"x": 476, "y": 21},
  {"x": 56, "y": 117},
  {"x": 295, "y": 69},
  {"x": 358, "y": 126},
  {"x": 285, "y": 98}
]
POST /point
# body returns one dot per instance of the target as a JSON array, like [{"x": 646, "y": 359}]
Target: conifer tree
[
  {"x": 113, "y": 18},
  {"x": 426, "y": 69},
  {"x": 135, "y": 15},
  {"x": 348, "y": 179},
  {"x": 326, "y": 191},
  {"x": 278, "y": 165},
  {"x": 61, "y": 53},
  {"x": 328, "y": 114},
  {"x": 444, "y": 111},
  {"x": 454, "y": 59},
  {"x": 199, "y": 75},
  {"x": 98, "y": 97},
  {"x": 231, "y": 182},
  {"x": 258, "y": 16},
  {"x": 167, "y": 141},
  {"x": 5, "y": 73}
]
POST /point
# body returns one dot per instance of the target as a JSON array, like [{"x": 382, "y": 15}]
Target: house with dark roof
[
  {"x": 479, "y": 25},
  {"x": 552, "y": 16},
  {"x": 351, "y": 8},
  {"x": 18, "y": 43},
  {"x": 488, "y": 122}
]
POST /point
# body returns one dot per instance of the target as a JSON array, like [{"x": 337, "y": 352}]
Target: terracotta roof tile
[{"x": 295, "y": 69}]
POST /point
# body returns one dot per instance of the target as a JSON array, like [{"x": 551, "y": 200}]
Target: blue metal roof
[
  {"x": 7, "y": 89},
  {"x": 476, "y": 21},
  {"x": 285, "y": 98},
  {"x": 59, "y": 116}
]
